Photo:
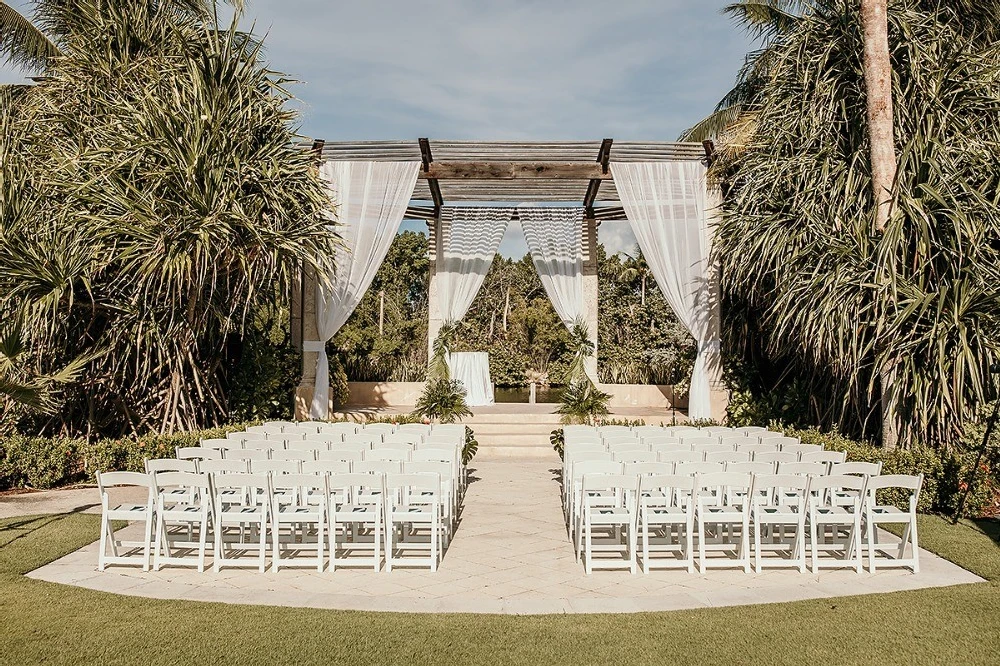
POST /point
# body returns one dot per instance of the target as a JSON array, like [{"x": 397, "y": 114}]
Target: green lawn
[{"x": 45, "y": 622}]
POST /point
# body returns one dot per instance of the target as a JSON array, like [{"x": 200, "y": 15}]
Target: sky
[{"x": 500, "y": 69}]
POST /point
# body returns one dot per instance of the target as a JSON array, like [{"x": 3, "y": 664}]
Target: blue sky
[{"x": 520, "y": 69}]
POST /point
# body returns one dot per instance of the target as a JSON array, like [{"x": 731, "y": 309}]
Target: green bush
[{"x": 39, "y": 462}]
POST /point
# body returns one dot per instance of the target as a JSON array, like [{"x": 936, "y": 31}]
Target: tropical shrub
[
  {"x": 907, "y": 315},
  {"x": 152, "y": 198},
  {"x": 442, "y": 400}
]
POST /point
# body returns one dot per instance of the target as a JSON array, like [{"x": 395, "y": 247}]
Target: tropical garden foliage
[
  {"x": 825, "y": 312},
  {"x": 151, "y": 203}
]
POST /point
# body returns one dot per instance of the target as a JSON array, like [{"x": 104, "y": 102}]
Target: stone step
[
  {"x": 516, "y": 453},
  {"x": 512, "y": 439},
  {"x": 536, "y": 429}
]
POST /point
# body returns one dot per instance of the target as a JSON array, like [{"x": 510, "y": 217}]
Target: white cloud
[{"x": 617, "y": 237}]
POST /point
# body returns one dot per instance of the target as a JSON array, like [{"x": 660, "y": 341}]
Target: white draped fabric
[
  {"x": 473, "y": 370},
  {"x": 665, "y": 204},
  {"x": 471, "y": 238},
  {"x": 555, "y": 240},
  {"x": 370, "y": 200}
]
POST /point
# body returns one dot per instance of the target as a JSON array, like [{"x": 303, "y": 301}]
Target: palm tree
[
  {"x": 799, "y": 243},
  {"x": 24, "y": 44},
  {"x": 636, "y": 267},
  {"x": 145, "y": 217}
]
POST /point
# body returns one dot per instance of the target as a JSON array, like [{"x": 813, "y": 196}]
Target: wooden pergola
[
  {"x": 570, "y": 173},
  {"x": 463, "y": 172}
]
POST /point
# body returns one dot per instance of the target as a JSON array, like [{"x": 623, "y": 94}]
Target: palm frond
[{"x": 23, "y": 44}]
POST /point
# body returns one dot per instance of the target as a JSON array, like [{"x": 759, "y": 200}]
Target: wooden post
[
  {"x": 435, "y": 248},
  {"x": 590, "y": 291}
]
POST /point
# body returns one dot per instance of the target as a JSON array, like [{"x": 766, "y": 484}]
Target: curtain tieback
[{"x": 313, "y": 346}]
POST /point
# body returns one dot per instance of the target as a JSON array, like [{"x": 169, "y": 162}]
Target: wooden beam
[
  {"x": 603, "y": 158},
  {"x": 514, "y": 171},
  {"x": 317, "y": 149},
  {"x": 432, "y": 182},
  {"x": 709, "y": 147}
]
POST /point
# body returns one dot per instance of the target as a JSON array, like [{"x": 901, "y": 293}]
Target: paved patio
[{"x": 510, "y": 555}]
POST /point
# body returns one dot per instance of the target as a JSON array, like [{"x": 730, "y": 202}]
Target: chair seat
[
  {"x": 243, "y": 510},
  {"x": 182, "y": 512},
  {"x": 129, "y": 508},
  {"x": 778, "y": 512},
  {"x": 299, "y": 512},
  {"x": 358, "y": 511},
  {"x": 675, "y": 513},
  {"x": 832, "y": 514},
  {"x": 609, "y": 515},
  {"x": 889, "y": 514},
  {"x": 720, "y": 513},
  {"x": 411, "y": 512}
]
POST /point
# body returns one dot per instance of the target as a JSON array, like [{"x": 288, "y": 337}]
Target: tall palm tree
[
  {"x": 23, "y": 43},
  {"x": 637, "y": 267}
]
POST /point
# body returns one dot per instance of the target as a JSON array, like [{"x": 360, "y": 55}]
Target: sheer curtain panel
[
  {"x": 665, "y": 205},
  {"x": 370, "y": 199},
  {"x": 555, "y": 240},
  {"x": 472, "y": 237}
]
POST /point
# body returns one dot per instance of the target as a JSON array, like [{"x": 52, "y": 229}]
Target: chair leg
[
  {"x": 871, "y": 546},
  {"x": 261, "y": 563},
  {"x": 102, "y": 552},
  {"x": 756, "y": 547},
  {"x": 319, "y": 544},
  {"x": 147, "y": 537},
  {"x": 633, "y": 558},
  {"x": 745, "y": 545},
  {"x": 275, "y": 546},
  {"x": 915, "y": 567},
  {"x": 814, "y": 551},
  {"x": 689, "y": 544},
  {"x": 701, "y": 546},
  {"x": 645, "y": 542},
  {"x": 159, "y": 537},
  {"x": 588, "y": 562}
]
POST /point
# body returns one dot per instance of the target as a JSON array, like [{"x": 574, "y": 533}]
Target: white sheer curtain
[
  {"x": 665, "y": 204},
  {"x": 370, "y": 200},
  {"x": 473, "y": 370},
  {"x": 555, "y": 240},
  {"x": 471, "y": 238}
]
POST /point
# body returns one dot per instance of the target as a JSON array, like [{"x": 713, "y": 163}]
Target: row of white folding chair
[
  {"x": 687, "y": 467},
  {"x": 307, "y": 445},
  {"x": 775, "y": 441},
  {"x": 262, "y": 440},
  {"x": 776, "y": 501},
  {"x": 307, "y": 503},
  {"x": 752, "y": 449},
  {"x": 572, "y": 432}
]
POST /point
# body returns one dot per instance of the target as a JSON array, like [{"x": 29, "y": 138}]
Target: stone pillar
[
  {"x": 308, "y": 328},
  {"x": 719, "y": 391},
  {"x": 435, "y": 249},
  {"x": 590, "y": 290}
]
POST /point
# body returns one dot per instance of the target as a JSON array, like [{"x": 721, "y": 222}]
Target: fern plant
[
  {"x": 442, "y": 400},
  {"x": 582, "y": 402}
]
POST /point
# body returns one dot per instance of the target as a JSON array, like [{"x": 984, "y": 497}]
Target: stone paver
[{"x": 510, "y": 555}]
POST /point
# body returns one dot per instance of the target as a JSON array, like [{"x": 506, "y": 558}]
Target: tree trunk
[
  {"x": 878, "y": 89},
  {"x": 506, "y": 309},
  {"x": 878, "y": 92},
  {"x": 642, "y": 299},
  {"x": 381, "y": 312}
]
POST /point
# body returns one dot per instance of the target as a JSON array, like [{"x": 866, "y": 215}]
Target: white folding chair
[
  {"x": 413, "y": 505},
  {"x": 609, "y": 504},
  {"x": 314, "y": 442},
  {"x": 777, "y": 505},
  {"x": 736, "y": 442},
  {"x": 308, "y": 506},
  {"x": 781, "y": 442},
  {"x": 392, "y": 453},
  {"x": 727, "y": 456},
  {"x": 247, "y": 454},
  {"x": 124, "y": 551},
  {"x": 618, "y": 446},
  {"x": 379, "y": 429},
  {"x": 664, "y": 510},
  {"x": 704, "y": 449},
  {"x": 652, "y": 468},
  {"x": 692, "y": 468},
  {"x": 240, "y": 502},
  {"x": 802, "y": 448},
  {"x": 809, "y": 469},
  {"x": 718, "y": 431},
  {"x": 224, "y": 466},
  {"x": 326, "y": 467},
  {"x": 702, "y": 443},
  {"x": 170, "y": 465},
  {"x": 422, "y": 429},
  {"x": 197, "y": 453},
  {"x": 635, "y": 456},
  {"x": 876, "y": 513},
  {"x": 674, "y": 457},
  {"x": 216, "y": 443},
  {"x": 828, "y": 457},
  {"x": 357, "y": 517},
  {"x": 723, "y": 525},
  {"x": 189, "y": 511},
  {"x": 574, "y": 514},
  {"x": 753, "y": 467},
  {"x": 844, "y": 514},
  {"x": 613, "y": 430},
  {"x": 300, "y": 455},
  {"x": 859, "y": 468},
  {"x": 775, "y": 457}
]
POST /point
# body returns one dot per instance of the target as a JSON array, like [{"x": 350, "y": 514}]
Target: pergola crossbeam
[
  {"x": 603, "y": 158},
  {"x": 427, "y": 160}
]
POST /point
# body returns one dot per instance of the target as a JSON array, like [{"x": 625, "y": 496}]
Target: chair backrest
[
  {"x": 626, "y": 445},
  {"x": 340, "y": 428},
  {"x": 895, "y": 481},
  {"x": 802, "y": 448},
  {"x": 239, "y": 480},
  {"x": 727, "y": 482},
  {"x": 342, "y": 455},
  {"x": 363, "y": 438},
  {"x": 293, "y": 454},
  {"x": 216, "y": 443},
  {"x": 860, "y": 468},
  {"x": 835, "y": 482},
  {"x": 823, "y": 456},
  {"x": 788, "y": 489},
  {"x": 727, "y": 456},
  {"x": 310, "y": 444},
  {"x": 166, "y": 480},
  {"x": 649, "y": 431},
  {"x": 750, "y": 467},
  {"x": 249, "y": 435},
  {"x": 357, "y": 481},
  {"x": 595, "y": 467},
  {"x": 300, "y": 482},
  {"x": 748, "y": 431},
  {"x": 754, "y": 449},
  {"x": 422, "y": 429},
  {"x": 299, "y": 430},
  {"x": 636, "y": 456},
  {"x": 380, "y": 429},
  {"x": 665, "y": 447},
  {"x": 285, "y": 436},
  {"x": 319, "y": 438},
  {"x": 691, "y": 468},
  {"x": 326, "y": 467},
  {"x": 709, "y": 448},
  {"x": 267, "y": 427},
  {"x": 378, "y": 466},
  {"x": 275, "y": 466},
  {"x": 626, "y": 482},
  {"x": 782, "y": 442},
  {"x": 248, "y": 454},
  {"x": 660, "y": 439},
  {"x": 717, "y": 431},
  {"x": 648, "y": 468},
  {"x": 171, "y": 465},
  {"x": 776, "y": 457},
  {"x": 616, "y": 439},
  {"x": 198, "y": 453},
  {"x": 434, "y": 455},
  {"x": 815, "y": 469},
  {"x": 403, "y": 437},
  {"x": 426, "y": 485},
  {"x": 224, "y": 466},
  {"x": 614, "y": 430},
  {"x": 388, "y": 453},
  {"x": 444, "y": 439},
  {"x": 106, "y": 480},
  {"x": 700, "y": 442},
  {"x": 238, "y": 436},
  {"x": 670, "y": 485},
  {"x": 445, "y": 470},
  {"x": 740, "y": 441},
  {"x": 583, "y": 446},
  {"x": 681, "y": 456},
  {"x": 574, "y": 457},
  {"x": 768, "y": 435}
]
